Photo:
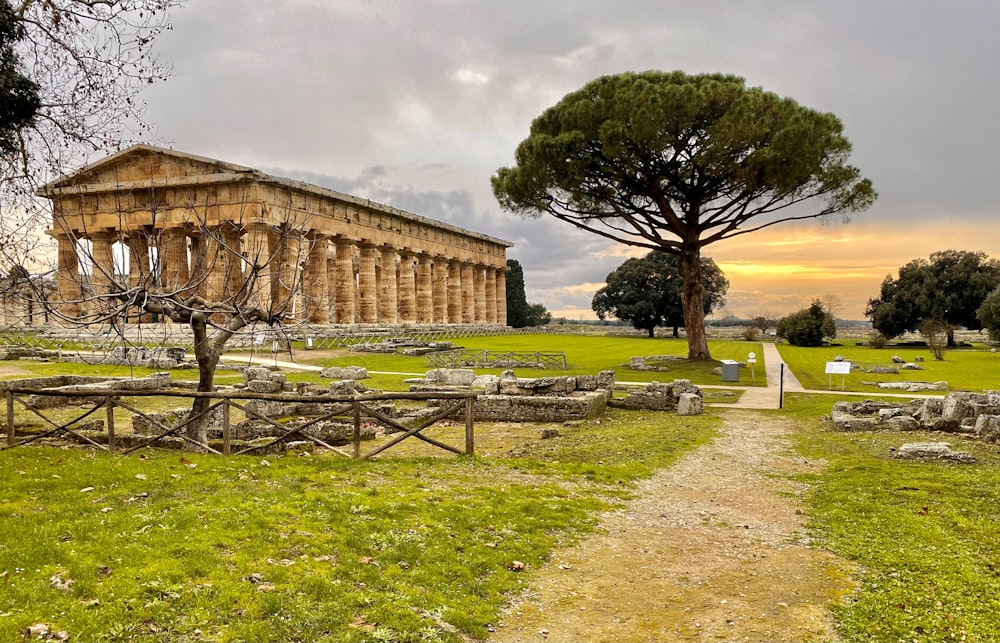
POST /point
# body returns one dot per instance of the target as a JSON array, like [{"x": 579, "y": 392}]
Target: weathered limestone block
[
  {"x": 684, "y": 386},
  {"x": 586, "y": 382},
  {"x": 251, "y": 373},
  {"x": 902, "y": 423},
  {"x": 263, "y": 386},
  {"x": 689, "y": 404},
  {"x": 345, "y": 373},
  {"x": 933, "y": 451},
  {"x": 988, "y": 428},
  {"x": 846, "y": 422},
  {"x": 347, "y": 387},
  {"x": 931, "y": 410},
  {"x": 606, "y": 379},
  {"x": 452, "y": 376},
  {"x": 914, "y": 387},
  {"x": 489, "y": 383},
  {"x": 888, "y": 370},
  {"x": 957, "y": 407}
]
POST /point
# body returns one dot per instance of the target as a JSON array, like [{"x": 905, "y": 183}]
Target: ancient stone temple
[{"x": 170, "y": 220}]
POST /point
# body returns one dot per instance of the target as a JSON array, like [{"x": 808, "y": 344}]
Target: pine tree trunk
[{"x": 693, "y": 302}]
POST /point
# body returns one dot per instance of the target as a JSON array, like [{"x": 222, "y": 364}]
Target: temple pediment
[{"x": 143, "y": 164}]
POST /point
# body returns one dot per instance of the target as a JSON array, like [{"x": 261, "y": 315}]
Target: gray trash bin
[{"x": 730, "y": 370}]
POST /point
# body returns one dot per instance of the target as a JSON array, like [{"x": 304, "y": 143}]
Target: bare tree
[
  {"x": 763, "y": 320},
  {"x": 221, "y": 278},
  {"x": 90, "y": 59}
]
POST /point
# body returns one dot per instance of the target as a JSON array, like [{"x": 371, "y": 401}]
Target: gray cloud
[{"x": 417, "y": 104}]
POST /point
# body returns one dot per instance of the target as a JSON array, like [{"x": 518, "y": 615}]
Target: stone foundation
[{"x": 975, "y": 414}]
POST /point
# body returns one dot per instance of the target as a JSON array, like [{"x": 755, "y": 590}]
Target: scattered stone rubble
[
  {"x": 411, "y": 347},
  {"x": 931, "y": 451},
  {"x": 652, "y": 362},
  {"x": 335, "y": 431},
  {"x": 680, "y": 396},
  {"x": 973, "y": 414},
  {"x": 509, "y": 398}
]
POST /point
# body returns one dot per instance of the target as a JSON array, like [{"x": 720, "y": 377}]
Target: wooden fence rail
[{"x": 359, "y": 406}]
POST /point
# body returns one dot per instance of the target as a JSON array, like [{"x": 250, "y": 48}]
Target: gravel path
[{"x": 712, "y": 549}]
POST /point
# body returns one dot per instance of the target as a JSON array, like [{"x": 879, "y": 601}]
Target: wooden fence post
[
  {"x": 226, "y": 429},
  {"x": 357, "y": 429},
  {"x": 470, "y": 437},
  {"x": 10, "y": 419},
  {"x": 109, "y": 405}
]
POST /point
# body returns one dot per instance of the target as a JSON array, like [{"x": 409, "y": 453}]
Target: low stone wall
[
  {"x": 680, "y": 395},
  {"x": 98, "y": 385},
  {"x": 975, "y": 414},
  {"x": 541, "y": 408},
  {"x": 509, "y": 398}
]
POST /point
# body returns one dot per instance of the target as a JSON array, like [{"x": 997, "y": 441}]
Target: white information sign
[{"x": 838, "y": 368}]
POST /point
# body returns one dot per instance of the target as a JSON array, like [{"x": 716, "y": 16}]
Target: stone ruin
[
  {"x": 508, "y": 398},
  {"x": 403, "y": 345},
  {"x": 97, "y": 385},
  {"x": 973, "y": 414},
  {"x": 335, "y": 431},
  {"x": 652, "y": 362},
  {"x": 680, "y": 396}
]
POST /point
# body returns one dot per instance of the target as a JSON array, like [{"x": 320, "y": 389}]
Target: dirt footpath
[{"x": 712, "y": 549}]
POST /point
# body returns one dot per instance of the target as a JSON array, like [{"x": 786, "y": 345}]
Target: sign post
[
  {"x": 838, "y": 368},
  {"x": 751, "y": 360}
]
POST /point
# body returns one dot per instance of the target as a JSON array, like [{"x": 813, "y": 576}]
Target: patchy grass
[
  {"x": 975, "y": 369},
  {"x": 171, "y": 547},
  {"x": 926, "y": 534}
]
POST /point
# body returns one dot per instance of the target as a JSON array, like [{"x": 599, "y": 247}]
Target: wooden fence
[
  {"x": 357, "y": 407},
  {"x": 494, "y": 359}
]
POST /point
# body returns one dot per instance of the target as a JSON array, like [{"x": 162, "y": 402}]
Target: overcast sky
[{"x": 416, "y": 104}]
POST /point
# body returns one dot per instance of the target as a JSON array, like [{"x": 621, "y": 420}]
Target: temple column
[
  {"x": 315, "y": 283},
  {"x": 285, "y": 271},
  {"x": 344, "y": 306},
  {"x": 491, "y": 295},
  {"x": 425, "y": 302},
  {"x": 232, "y": 264},
  {"x": 407, "y": 289},
  {"x": 331, "y": 280},
  {"x": 479, "y": 284},
  {"x": 103, "y": 265},
  {"x": 139, "y": 275},
  {"x": 174, "y": 259},
  {"x": 454, "y": 292},
  {"x": 439, "y": 288},
  {"x": 258, "y": 273},
  {"x": 68, "y": 281},
  {"x": 468, "y": 295},
  {"x": 501, "y": 296},
  {"x": 387, "y": 309},
  {"x": 210, "y": 268},
  {"x": 367, "y": 285}
]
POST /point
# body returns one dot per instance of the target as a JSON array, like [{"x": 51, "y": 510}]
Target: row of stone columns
[{"x": 356, "y": 283}]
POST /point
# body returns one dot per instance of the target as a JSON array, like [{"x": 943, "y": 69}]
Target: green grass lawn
[
  {"x": 169, "y": 547},
  {"x": 926, "y": 534},
  {"x": 975, "y": 369},
  {"x": 585, "y": 354}
]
